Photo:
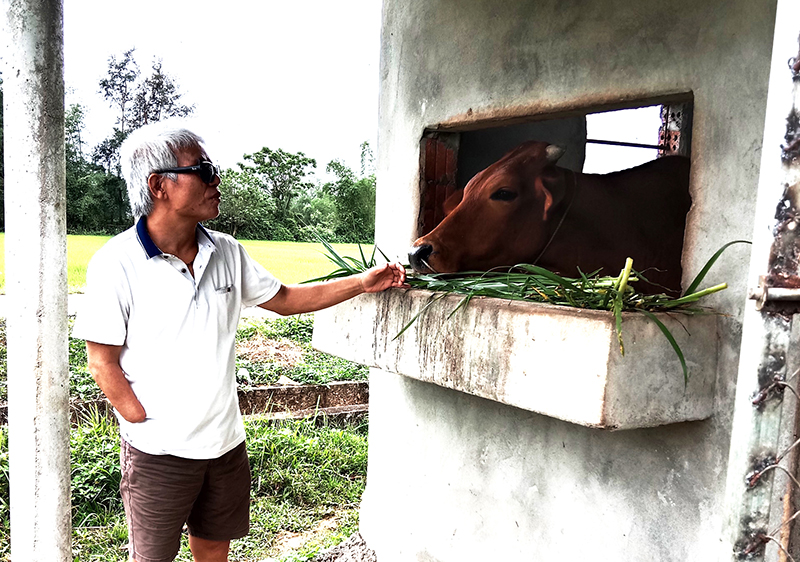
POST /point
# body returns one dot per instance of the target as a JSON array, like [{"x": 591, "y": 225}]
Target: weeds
[
  {"x": 312, "y": 367},
  {"x": 94, "y": 452},
  {"x": 5, "y": 529},
  {"x": 302, "y": 474}
]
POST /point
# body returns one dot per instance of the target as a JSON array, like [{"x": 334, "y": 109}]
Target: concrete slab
[{"x": 557, "y": 361}]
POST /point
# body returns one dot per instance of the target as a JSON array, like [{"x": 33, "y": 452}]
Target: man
[{"x": 161, "y": 309}]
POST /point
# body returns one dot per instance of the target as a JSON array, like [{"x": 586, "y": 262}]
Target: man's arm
[
  {"x": 104, "y": 366},
  {"x": 297, "y": 299}
]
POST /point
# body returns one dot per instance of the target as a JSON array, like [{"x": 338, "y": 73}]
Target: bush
[{"x": 94, "y": 446}]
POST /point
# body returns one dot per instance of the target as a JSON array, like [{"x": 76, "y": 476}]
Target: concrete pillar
[
  {"x": 764, "y": 422},
  {"x": 36, "y": 284}
]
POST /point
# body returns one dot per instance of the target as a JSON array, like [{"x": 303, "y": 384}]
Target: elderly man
[{"x": 162, "y": 304}]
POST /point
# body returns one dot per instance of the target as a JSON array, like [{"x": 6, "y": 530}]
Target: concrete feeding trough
[{"x": 557, "y": 361}]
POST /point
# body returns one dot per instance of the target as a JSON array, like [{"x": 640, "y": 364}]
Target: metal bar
[
  {"x": 763, "y": 294},
  {"x": 628, "y": 144}
]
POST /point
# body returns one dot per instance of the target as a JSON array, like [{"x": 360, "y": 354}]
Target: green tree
[
  {"x": 137, "y": 101},
  {"x": 353, "y": 199},
  {"x": 96, "y": 201},
  {"x": 119, "y": 86},
  {"x": 245, "y": 210},
  {"x": 367, "y": 160},
  {"x": 316, "y": 213},
  {"x": 281, "y": 175},
  {"x": 156, "y": 97}
]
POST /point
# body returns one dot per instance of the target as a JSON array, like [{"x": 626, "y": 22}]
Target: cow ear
[
  {"x": 550, "y": 184},
  {"x": 452, "y": 202}
]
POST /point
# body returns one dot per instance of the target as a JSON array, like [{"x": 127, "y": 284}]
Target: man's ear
[{"x": 154, "y": 182}]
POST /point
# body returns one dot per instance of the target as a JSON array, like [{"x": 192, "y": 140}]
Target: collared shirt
[{"x": 177, "y": 333}]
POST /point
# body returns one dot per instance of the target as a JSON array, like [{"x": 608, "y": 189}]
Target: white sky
[
  {"x": 630, "y": 125},
  {"x": 301, "y": 75}
]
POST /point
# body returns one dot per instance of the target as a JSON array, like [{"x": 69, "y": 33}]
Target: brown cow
[{"x": 524, "y": 209}]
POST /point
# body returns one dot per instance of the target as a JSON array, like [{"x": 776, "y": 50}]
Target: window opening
[{"x": 597, "y": 143}]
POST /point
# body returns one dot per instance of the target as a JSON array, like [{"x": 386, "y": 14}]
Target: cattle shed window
[{"x": 596, "y": 142}]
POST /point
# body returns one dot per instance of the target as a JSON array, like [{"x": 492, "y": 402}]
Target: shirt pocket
[
  {"x": 225, "y": 290},
  {"x": 228, "y": 309}
]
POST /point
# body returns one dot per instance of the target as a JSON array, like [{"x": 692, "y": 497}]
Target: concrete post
[
  {"x": 36, "y": 285},
  {"x": 760, "y": 499}
]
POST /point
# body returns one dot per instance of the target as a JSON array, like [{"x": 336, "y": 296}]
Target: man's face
[{"x": 189, "y": 197}]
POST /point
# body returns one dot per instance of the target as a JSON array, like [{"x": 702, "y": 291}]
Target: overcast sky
[{"x": 301, "y": 75}]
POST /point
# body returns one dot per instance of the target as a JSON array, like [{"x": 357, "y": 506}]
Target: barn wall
[{"x": 455, "y": 477}]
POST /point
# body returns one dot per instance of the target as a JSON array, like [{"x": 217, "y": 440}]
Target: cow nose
[{"x": 418, "y": 258}]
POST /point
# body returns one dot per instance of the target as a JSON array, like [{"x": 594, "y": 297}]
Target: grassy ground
[
  {"x": 291, "y": 262},
  {"x": 307, "y": 480}
]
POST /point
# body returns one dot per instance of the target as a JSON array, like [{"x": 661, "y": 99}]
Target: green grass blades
[
  {"x": 533, "y": 283},
  {"x": 300, "y": 463},
  {"x": 293, "y": 335},
  {"x": 346, "y": 265}
]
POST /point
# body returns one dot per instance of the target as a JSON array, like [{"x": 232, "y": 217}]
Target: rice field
[{"x": 291, "y": 262}]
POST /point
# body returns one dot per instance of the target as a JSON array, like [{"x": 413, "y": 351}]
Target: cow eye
[{"x": 504, "y": 195}]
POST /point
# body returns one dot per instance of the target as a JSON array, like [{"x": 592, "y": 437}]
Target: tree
[
  {"x": 316, "y": 213},
  {"x": 106, "y": 153},
  {"x": 119, "y": 86},
  {"x": 157, "y": 97},
  {"x": 73, "y": 128},
  {"x": 96, "y": 201},
  {"x": 367, "y": 160},
  {"x": 353, "y": 199},
  {"x": 281, "y": 175},
  {"x": 244, "y": 210},
  {"x": 138, "y": 102}
]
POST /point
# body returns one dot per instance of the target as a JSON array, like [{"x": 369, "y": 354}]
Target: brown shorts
[{"x": 162, "y": 492}]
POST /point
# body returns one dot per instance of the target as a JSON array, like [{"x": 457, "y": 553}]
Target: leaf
[
  {"x": 700, "y": 276},
  {"x": 617, "y": 311},
  {"x": 672, "y": 342},
  {"x": 433, "y": 300}
]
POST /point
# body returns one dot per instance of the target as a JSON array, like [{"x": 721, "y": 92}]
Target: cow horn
[{"x": 554, "y": 152}]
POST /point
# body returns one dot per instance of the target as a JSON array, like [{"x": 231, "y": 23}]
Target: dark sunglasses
[{"x": 206, "y": 170}]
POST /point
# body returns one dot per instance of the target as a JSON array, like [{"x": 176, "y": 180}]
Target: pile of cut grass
[{"x": 533, "y": 283}]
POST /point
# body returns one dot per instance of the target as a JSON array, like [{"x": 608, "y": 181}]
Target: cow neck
[{"x": 563, "y": 216}]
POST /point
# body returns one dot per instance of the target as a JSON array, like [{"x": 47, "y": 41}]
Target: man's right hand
[{"x": 107, "y": 373}]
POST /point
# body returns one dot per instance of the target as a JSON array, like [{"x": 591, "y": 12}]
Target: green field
[{"x": 291, "y": 262}]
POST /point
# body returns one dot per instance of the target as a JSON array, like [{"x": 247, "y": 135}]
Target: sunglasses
[{"x": 206, "y": 170}]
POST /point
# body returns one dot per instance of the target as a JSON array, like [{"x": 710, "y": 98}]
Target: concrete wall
[{"x": 455, "y": 477}]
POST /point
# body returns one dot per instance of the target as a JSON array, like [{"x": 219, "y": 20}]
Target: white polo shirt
[{"x": 177, "y": 335}]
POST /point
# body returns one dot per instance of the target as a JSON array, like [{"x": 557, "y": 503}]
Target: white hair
[{"x": 149, "y": 148}]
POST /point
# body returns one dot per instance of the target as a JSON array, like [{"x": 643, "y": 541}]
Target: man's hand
[
  {"x": 383, "y": 277},
  {"x": 104, "y": 366},
  {"x": 297, "y": 299}
]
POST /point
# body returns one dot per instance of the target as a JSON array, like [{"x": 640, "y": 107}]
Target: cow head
[{"x": 503, "y": 217}]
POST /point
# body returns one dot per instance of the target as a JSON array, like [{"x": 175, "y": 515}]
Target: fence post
[{"x": 36, "y": 285}]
